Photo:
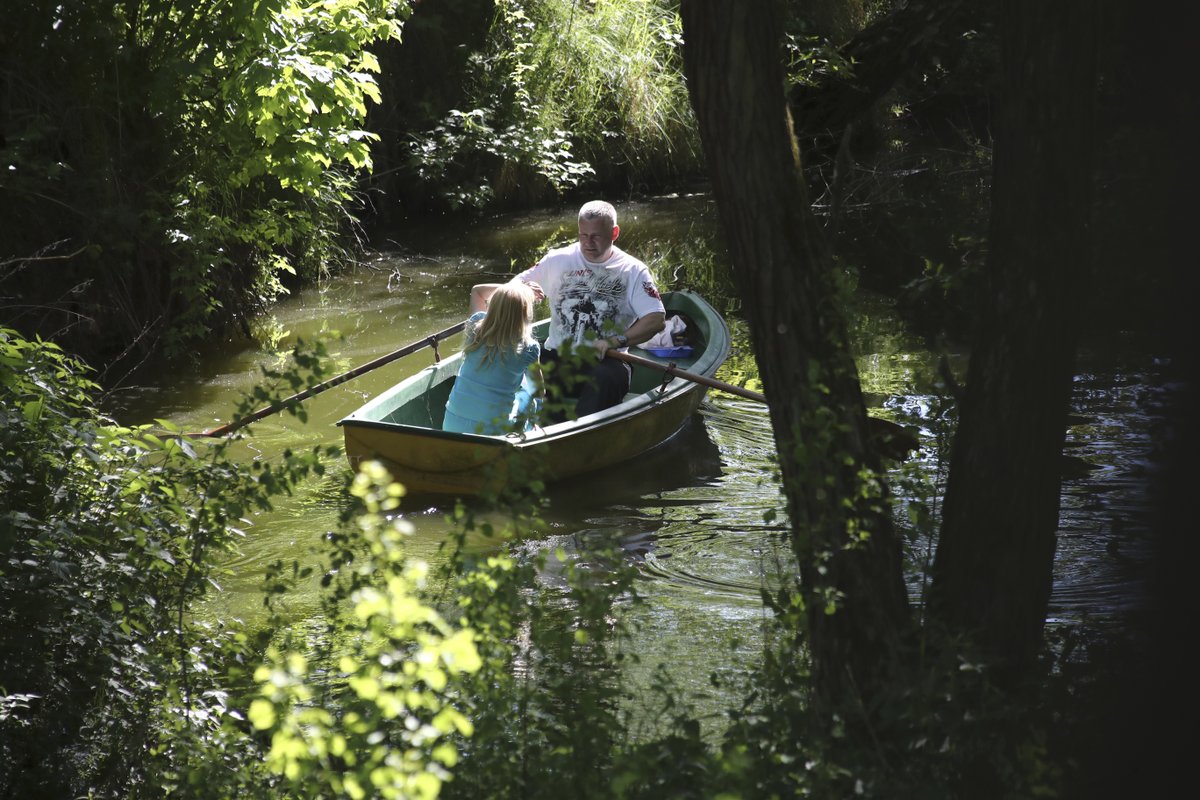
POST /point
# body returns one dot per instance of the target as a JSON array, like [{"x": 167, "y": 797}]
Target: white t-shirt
[{"x": 602, "y": 298}]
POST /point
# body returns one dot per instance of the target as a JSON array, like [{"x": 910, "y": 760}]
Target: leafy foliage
[
  {"x": 299, "y": 79},
  {"x": 202, "y": 153},
  {"x": 387, "y": 727},
  {"x": 549, "y": 633},
  {"x": 110, "y": 536}
]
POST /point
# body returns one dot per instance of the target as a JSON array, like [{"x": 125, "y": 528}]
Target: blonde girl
[{"x": 492, "y": 390}]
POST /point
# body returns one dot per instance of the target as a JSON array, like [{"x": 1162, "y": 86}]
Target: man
[{"x": 599, "y": 296}]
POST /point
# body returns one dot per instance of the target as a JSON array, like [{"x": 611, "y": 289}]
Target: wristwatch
[{"x": 621, "y": 339}]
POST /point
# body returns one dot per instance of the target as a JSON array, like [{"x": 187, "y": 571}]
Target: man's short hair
[{"x": 598, "y": 209}]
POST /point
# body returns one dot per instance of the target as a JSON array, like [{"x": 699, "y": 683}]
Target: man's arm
[
  {"x": 646, "y": 328},
  {"x": 642, "y": 330}
]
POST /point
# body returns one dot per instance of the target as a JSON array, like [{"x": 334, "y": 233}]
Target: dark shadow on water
[{"x": 689, "y": 458}]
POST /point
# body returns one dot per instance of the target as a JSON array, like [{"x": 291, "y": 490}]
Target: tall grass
[
  {"x": 566, "y": 95},
  {"x": 615, "y": 71}
]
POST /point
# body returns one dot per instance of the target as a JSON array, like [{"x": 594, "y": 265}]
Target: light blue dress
[{"x": 488, "y": 398}]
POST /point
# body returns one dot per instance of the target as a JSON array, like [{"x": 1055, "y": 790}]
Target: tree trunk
[
  {"x": 993, "y": 568},
  {"x": 842, "y": 532}
]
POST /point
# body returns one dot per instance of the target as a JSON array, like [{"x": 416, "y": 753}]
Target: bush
[{"x": 108, "y": 686}]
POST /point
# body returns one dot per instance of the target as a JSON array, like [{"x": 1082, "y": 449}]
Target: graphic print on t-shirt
[{"x": 589, "y": 300}]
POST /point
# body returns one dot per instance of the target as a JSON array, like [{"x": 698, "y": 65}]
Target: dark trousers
[{"x": 606, "y": 384}]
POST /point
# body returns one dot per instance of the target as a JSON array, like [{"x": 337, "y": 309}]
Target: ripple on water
[
  {"x": 695, "y": 526},
  {"x": 735, "y": 565},
  {"x": 1104, "y": 543}
]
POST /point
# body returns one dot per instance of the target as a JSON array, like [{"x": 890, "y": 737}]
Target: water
[{"x": 691, "y": 515}]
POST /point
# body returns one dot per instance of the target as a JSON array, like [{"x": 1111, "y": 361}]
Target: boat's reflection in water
[{"x": 689, "y": 458}]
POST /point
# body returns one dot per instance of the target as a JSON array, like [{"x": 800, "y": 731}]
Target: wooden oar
[
  {"x": 429, "y": 341},
  {"x": 671, "y": 369},
  {"x": 892, "y": 440}
]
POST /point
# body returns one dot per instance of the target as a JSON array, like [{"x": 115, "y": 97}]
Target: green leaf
[{"x": 262, "y": 714}]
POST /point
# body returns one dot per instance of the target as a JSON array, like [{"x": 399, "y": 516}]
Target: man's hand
[{"x": 538, "y": 293}]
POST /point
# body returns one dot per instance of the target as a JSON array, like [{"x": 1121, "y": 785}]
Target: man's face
[{"x": 596, "y": 237}]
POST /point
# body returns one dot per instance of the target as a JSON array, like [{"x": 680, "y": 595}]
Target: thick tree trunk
[
  {"x": 842, "y": 531},
  {"x": 993, "y": 569}
]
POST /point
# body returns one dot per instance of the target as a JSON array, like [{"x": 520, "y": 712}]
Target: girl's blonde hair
[{"x": 508, "y": 323}]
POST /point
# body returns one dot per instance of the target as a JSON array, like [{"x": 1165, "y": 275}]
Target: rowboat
[{"x": 402, "y": 426}]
